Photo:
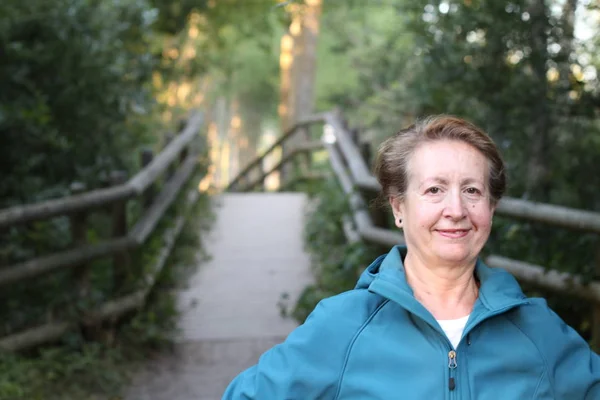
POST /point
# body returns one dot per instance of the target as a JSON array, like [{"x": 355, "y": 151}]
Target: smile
[{"x": 453, "y": 233}]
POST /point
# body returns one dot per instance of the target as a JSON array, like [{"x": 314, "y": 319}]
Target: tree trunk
[
  {"x": 537, "y": 185},
  {"x": 222, "y": 123},
  {"x": 298, "y": 67},
  {"x": 251, "y": 128},
  {"x": 305, "y": 60},
  {"x": 566, "y": 49}
]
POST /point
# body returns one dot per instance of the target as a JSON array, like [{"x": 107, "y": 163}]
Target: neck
[{"x": 448, "y": 292}]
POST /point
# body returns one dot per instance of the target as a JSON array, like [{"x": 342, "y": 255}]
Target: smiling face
[{"x": 446, "y": 212}]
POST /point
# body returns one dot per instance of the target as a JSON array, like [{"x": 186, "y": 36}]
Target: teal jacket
[{"x": 378, "y": 342}]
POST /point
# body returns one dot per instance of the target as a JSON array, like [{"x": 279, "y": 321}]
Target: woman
[{"x": 429, "y": 320}]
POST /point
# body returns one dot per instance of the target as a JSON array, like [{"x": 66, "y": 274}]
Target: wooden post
[
  {"x": 241, "y": 184},
  {"x": 353, "y": 134},
  {"x": 121, "y": 261},
  {"x": 305, "y": 159},
  {"x": 252, "y": 175},
  {"x": 261, "y": 171},
  {"x": 367, "y": 154},
  {"x": 78, "y": 222},
  {"x": 379, "y": 215},
  {"x": 146, "y": 158},
  {"x": 284, "y": 171}
]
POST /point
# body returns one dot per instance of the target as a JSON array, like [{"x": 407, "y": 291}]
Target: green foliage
[
  {"x": 512, "y": 67},
  {"x": 31, "y": 302},
  {"x": 92, "y": 370},
  {"x": 336, "y": 264},
  {"x": 173, "y": 15},
  {"x": 486, "y": 60},
  {"x": 230, "y": 49},
  {"x": 366, "y": 61},
  {"x": 73, "y": 74},
  {"x": 243, "y": 53},
  {"x": 76, "y": 102}
]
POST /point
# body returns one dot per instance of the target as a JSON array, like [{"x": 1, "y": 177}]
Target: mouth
[{"x": 453, "y": 233}]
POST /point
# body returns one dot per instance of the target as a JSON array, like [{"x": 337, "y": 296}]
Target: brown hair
[{"x": 391, "y": 168}]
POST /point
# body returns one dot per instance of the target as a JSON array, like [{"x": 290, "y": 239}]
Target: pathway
[{"x": 229, "y": 308}]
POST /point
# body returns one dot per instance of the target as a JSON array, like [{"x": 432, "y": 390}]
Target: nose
[{"x": 455, "y": 207}]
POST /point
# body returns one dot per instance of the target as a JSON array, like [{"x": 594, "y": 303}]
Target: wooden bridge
[
  {"x": 229, "y": 308},
  {"x": 230, "y": 311}
]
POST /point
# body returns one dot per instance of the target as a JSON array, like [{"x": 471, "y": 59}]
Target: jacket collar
[{"x": 385, "y": 276}]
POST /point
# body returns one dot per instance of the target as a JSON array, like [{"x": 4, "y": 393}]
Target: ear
[{"x": 398, "y": 210}]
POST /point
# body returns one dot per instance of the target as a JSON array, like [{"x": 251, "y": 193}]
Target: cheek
[
  {"x": 425, "y": 215},
  {"x": 481, "y": 217}
]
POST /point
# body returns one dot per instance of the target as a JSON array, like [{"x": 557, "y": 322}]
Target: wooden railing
[
  {"x": 352, "y": 172},
  {"x": 253, "y": 175},
  {"x": 180, "y": 153}
]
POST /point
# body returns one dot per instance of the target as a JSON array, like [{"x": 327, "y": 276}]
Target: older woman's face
[{"x": 446, "y": 213}]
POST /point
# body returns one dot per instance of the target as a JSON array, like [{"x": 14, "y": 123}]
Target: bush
[
  {"x": 336, "y": 263},
  {"x": 76, "y": 369},
  {"x": 73, "y": 72}
]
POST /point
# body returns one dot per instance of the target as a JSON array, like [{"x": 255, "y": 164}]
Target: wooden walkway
[{"x": 230, "y": 312}]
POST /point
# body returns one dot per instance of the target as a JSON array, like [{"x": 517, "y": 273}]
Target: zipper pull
[
  {"x": 452, "y": 359},
  {"x": 452, "y": 365}
]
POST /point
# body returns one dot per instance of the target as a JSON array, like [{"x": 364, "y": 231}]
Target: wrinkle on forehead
[{"x": 469, "y": 159}]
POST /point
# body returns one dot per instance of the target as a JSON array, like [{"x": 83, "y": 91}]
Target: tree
[
  {"x": 514, "y": 68},
  {"x": 73, "y": 73}
]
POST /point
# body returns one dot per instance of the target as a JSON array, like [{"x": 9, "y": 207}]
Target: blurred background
[{"x": 92, "y": 91}]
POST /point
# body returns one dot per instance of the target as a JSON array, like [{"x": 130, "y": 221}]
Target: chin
[{"x": 455, "y": 255}]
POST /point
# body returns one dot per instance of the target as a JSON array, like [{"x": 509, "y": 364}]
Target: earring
[{"x": 399, "y": 220}]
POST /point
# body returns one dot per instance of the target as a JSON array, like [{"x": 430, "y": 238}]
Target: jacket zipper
[
  {"x": 452, "y": 364},
  {"x": 388, "y": 291}
]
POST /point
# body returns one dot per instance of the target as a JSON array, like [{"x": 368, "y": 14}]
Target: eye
[
  {"x": 473, "y": 190},
  {"x": 433, "y": 190}
]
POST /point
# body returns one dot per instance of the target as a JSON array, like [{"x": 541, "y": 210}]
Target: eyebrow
[{"x": 444, "y": 181}]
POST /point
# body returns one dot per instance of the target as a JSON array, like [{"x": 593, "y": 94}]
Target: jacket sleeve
[
  {"x": 574, "y": 368},
  {"x": 306, "y": 366}
]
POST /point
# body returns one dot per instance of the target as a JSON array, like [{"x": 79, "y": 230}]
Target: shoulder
[
  {"x": 309, "y": 363},
  {"x": 333, "y": 325},
  {"x": 548, "y": 332},
  {"x": 536, "y": 317},
  {"x": 540, "y": 323},
  {"x": 343, "y": 315},
  {"x": 330, "y": 329},
  {"x": 573, "y": 368}
]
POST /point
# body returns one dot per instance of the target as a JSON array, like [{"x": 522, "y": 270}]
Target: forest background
[{"x": 86, "y": 84}]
